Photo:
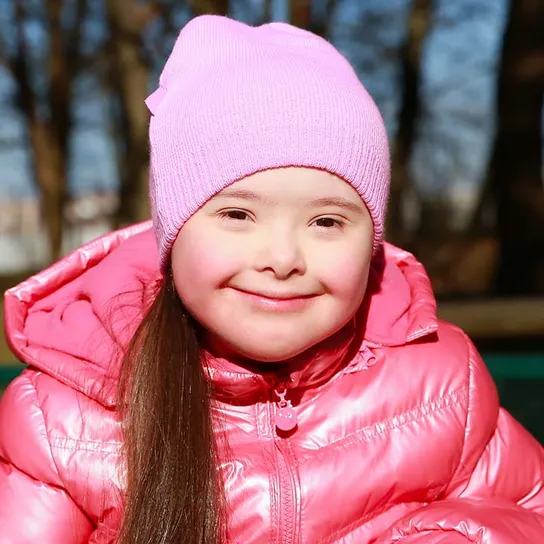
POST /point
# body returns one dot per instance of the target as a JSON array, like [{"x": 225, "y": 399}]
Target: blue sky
[{"x": 458, "y": 92}]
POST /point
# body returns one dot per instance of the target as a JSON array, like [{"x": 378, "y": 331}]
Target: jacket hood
[{"x": 74, "y": 319}]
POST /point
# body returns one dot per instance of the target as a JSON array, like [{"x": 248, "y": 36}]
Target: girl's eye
[
  {"x": 236, "y": 215},
  {"x": 328, "y": 223}
]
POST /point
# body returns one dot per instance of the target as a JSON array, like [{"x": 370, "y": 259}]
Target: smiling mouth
[
  {"x": 276, "y": 302},
  {"x": 275, "y": 296}
]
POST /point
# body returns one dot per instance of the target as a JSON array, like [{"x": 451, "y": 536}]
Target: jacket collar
[{"x": 60, "y": 321}]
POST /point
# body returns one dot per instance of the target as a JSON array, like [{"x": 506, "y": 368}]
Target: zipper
[
  {"x": 287, "y": 495},
  {"x": 288, "y": 485}
]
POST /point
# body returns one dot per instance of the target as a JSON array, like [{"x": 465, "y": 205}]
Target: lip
[{"x": 279, "y": 302}]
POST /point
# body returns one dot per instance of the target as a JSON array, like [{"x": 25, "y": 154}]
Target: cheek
[
  {"x": 200, "y": 264},
  {"x": 346, "y": 276}
]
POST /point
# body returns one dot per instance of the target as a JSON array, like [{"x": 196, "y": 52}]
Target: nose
[{"x": 281, "y": 254}]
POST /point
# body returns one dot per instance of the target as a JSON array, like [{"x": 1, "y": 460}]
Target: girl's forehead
[{"x": 283, "y": 184}]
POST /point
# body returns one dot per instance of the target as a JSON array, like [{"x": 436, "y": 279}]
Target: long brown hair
[{"x": 173, "y": 495}]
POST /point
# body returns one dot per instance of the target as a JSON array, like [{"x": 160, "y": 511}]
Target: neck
[{"x": 235, "y": 377}]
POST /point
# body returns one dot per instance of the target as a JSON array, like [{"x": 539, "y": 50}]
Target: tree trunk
[
  {"x": 217, "y": 7},
  {"x": 221, "y": 7},
  {"x": 49, "y": 120},
  {"x": 49, "y": 160},
  {"x": 516, "y": 163},
  {"x": 129, "y": 78},
  {"x": 301, "y": 13},
  {"x": 410, "y": 111},
  {"x": 50, "y": 143}
]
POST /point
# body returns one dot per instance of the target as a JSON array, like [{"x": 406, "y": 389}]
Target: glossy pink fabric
[{"x": 404, "y": 443}]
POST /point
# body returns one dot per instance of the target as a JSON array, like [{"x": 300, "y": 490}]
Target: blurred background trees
[
  {"x": 75, "y": 74},
  {"x": 43, "y": 80}
]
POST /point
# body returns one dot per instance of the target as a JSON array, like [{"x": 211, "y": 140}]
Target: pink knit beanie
[{"x": 234, "y": 100}]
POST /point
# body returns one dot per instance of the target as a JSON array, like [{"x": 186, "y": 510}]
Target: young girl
[{"x": 256, "y": 365}]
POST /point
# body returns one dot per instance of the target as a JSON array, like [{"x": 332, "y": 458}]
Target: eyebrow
[
  {"x": 339, "y": 202},
  {"x": 323, "y": 202},
  {"x": 242, "y": 194}
]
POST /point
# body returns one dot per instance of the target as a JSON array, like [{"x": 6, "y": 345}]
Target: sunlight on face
[{"x": 275, "y": 263}]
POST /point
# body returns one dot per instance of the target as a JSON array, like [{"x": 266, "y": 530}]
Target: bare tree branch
[
  {"x": 267, "y": 11},
  {"x": 74, "y": 37},
  {"x": 19, "y": 65},
  {"x": 409, "y": 116}
]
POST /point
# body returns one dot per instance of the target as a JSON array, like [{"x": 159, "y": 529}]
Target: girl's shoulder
[
  {"x": 453, "y": 347},
  {"x": 445, "y": 351},
  {"x": 39, "y": 414},
  {"x": 448, "y": 363},
  {"x": 441, "y": 366},
  {"x": 53, "y": 434}
]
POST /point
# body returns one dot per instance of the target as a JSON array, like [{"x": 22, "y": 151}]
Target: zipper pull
[
  {"x": 367, "y": 355},
  {"x": 285, "y": 418}
]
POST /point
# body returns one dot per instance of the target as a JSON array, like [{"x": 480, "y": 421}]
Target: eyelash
[
  {"x": 337, "y": 223},
  {"x": 228, "y": 214}
]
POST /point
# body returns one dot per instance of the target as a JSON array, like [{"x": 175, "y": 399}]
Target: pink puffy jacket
[{"x": 404, "y": 444}]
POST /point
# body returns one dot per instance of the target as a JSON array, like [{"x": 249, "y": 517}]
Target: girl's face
[{"x": 275, "y": 263}]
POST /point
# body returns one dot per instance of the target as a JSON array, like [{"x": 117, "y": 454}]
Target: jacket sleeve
[
  {"x": 496, "y": 495},
  {"x": 34, "y": 504}
]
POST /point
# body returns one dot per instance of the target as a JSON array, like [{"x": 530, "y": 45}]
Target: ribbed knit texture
[{"x": 234, "y": 100}]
